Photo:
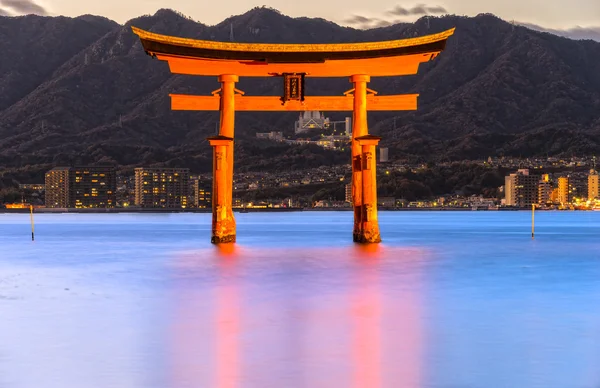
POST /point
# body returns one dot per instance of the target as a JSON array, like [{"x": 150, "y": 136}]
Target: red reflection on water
[
  {"x": 369, "y": 251},
  {"x": 377, "y": 339},
  {"x": 366, "y": 318},
  {"x": 227, "y": 321}
]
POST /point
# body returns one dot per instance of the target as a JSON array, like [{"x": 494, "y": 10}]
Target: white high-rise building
[
  {"x": 383, "y": 155},
  {"x": 348, "y": 126}
]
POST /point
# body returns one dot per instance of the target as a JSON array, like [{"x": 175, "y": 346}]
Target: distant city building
[
  {"x": 348, "y": 122},
  {"x": 161, "y": 187},
  {"x": 349, "y": 193},
  {"x": 57, "y": 188},
  {"x": 554, "y": 195},
  {"x": 93, "y": 187},
  {"x": 593, "y": 185},
  {"x": 202, "y": 195},
  {"x": 383, "y": 155},
  {"x": 386, "y": 201},
  {"x": 310, "y": 120},
  {"x": 81, "y": 187},
  {"x": 545, "y": 190},
  {"x": 325, "y": 142},
  {"x": 278, "y": 136},
  {"x": 33, "y": 186},
  {"x": 521, "y": 189},
  {"x": 565, "y": 192},
  {"x": 333, "y": 142}
]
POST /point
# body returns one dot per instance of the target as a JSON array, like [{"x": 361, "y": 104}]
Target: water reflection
[
  {"x": 331, "y": 318},
  {"x": 228, "y": 319},
  {"x": 479, "y": 304},
  {"x": 366, "y": 318}
]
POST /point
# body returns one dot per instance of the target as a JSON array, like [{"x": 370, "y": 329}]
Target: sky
[{"x": 551, "y": 14}]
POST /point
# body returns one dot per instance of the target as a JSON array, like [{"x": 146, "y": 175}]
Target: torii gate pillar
[
  {"x": 369, "y": 224},
  {"x": 364, "y": 178},
  {"x": 223, "y": 224}
]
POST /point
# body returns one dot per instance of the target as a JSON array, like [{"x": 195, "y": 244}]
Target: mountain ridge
[{"x": 497, "y": 89}]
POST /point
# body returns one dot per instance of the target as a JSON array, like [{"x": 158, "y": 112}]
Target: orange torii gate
[{"x": 294, "y": 62}]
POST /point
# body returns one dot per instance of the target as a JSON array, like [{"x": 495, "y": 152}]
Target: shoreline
[{"x": 242, "y": 211}]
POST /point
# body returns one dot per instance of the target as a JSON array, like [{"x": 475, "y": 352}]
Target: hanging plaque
[{"x": 293, "y": 87}]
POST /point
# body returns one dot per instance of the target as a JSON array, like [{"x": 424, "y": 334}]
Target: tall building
[
  {"x": 57, "y": 188},
  {"x": 383, "y": 155},
  {"x": 521, "y": 189},
  {"x": 593, "y": 185},
  {"x": 565, "y": 192},
  {"x": 348, "y": 124},
  {"x": 509, "y": 193},
  {"x": 161, "y": 187},
  {"x": 554, "y": 195},
  {"x": 545, "y": 190},
  {"x": 349, "y": 193},
  {"x": 202, "y": 194},
  {"x": 81, "y": 187},
  {"x": 92, "y": 187}
]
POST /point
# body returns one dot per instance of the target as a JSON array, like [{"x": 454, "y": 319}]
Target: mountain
[{"x": 82, "y": 91}]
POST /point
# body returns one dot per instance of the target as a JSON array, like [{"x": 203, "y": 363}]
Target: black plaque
[{"x": 293, "y": 87}]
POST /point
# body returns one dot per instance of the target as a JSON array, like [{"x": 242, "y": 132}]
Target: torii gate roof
[{"x": 203, "y": 57}]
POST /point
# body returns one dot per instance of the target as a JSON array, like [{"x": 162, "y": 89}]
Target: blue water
[{"x": 449, "y": 300}]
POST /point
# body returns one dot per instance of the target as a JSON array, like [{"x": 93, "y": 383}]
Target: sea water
[{"x": 449, "y": 299}]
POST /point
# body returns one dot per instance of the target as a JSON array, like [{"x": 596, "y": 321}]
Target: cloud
[
  {"x": 437, "y": 9},
  {"x": 24, "y": 7},
  {"x": 419, "y": 9},
  {"x": 4, "y": 13},
  {"x": 366, "y": 22},
  {"x": 359, "y": 19},
  {"x": 399, "y": 11},
  {"x": 572, "y": 33},
  {"x": 390, "y": 17}
]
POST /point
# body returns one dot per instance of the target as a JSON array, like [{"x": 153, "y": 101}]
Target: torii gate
[{"x": 294, "y": 62}]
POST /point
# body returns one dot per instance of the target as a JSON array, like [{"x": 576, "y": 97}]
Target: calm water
[{"x": 448, "y": 300}]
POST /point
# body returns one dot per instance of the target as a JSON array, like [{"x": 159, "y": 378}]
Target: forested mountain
[{"x": 82, "y": 91}]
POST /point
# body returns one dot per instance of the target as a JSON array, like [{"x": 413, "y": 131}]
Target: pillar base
[
  {"x": 223, "y": 231},
  {"x": 367, "y": 236},
  {"x": 223, "y": 239}
]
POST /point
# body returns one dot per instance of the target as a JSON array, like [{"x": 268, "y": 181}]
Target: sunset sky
[{"x": 556, "y": 14}]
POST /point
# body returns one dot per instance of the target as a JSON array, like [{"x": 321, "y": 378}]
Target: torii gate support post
[
  {"x": 223, "y": 223},
  {"x": 359, "y": 129},
  {"x": 369, "y": 222}
]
